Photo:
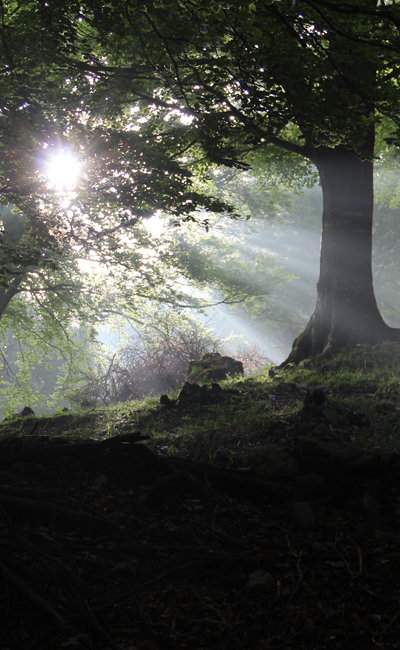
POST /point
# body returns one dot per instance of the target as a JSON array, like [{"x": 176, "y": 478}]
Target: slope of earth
[{"x": 257, "y": 513}]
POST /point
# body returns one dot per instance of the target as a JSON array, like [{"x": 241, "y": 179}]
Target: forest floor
[{"x": 260, "y": 514}]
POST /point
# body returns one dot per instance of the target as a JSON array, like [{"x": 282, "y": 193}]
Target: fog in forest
[{"x": 266, "y": 325}]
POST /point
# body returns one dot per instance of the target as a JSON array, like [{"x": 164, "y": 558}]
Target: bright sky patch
[{"x": 63, "y": 171}]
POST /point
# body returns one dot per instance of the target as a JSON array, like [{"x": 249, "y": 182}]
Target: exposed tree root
[
  {"x": 53, "y": 511},
  {"x": 29, "y": 593}
]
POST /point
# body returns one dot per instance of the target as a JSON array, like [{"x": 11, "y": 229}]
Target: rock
[
  {"x": 273, "y": 464},
  {"x": 301, "y": 516},
  {"x": 213, "y": 367},
  {"x": 315, "y": 398},
  {"x": 25, "y": 412},
  {"x": 309, "y": 485},
  {"x": 99, "y": 482},
  {"x": 286, "y": 387},
  {"x": 193, "y": 395},
  {"x": 166, "y": 401},
  {"x": 261, "y": 580},
  {"x": 22, "y": 414},
  {"x": 374, "y": 464}
]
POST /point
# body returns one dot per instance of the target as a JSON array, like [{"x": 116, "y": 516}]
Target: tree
[
  {"x": 153, "y": 91},
  {"x": 125, "y": 177},
  {"x": 313, "y": 79},
  {"x": 52, "y": 236},
  {"x": 128, "y": 172}
]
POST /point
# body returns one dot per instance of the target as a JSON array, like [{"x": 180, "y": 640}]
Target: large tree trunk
[{"x": 346, "y": 312}]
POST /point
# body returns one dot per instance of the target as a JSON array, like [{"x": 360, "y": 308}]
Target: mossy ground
[{"x": 256, "y": 413}]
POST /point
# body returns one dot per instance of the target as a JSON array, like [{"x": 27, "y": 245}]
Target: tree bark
[
  {"x": 346, "y": 312},
  {"x": 7, "y": 294}
]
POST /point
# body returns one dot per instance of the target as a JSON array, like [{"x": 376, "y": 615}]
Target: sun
[{"x": 63, "y": 171}]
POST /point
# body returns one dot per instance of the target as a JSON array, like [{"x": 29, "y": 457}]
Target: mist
[{"x": 290, "y": 243}]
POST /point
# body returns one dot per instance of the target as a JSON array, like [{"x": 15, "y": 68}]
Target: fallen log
[
  {"x": 49, "y": 449},
  {"x": 231, "y": 481}
]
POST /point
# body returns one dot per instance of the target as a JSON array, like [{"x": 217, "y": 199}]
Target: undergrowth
[{"x": 257, "y": 413}]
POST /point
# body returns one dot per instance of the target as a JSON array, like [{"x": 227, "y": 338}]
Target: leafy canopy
[
  {"x": 248, "y": 75},
  {"x": 147, "y": 97}
]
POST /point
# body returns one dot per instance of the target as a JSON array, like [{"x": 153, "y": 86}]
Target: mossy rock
[{"x": 214, "y": 367}]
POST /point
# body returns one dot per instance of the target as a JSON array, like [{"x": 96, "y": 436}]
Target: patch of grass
[{"x": 254, "y": 417}]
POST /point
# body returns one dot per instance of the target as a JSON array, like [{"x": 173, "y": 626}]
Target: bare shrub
[
  {"x": 159, "y": 364},
  {"x": 252, "y": 358},
  {"x": 155, "y": 361}
]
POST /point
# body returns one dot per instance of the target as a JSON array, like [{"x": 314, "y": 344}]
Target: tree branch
[
  {"x": 305, "y": 150},
  {"x": 9, "y": 293},
  {"x": 345, "y": 8}
]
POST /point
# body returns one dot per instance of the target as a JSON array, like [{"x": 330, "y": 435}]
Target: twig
[
  {"x": 300, "y": 580},
  {"x": 29, "y": 593},
  {"x": 149, "y": 583},
  {"x": 392, "y": 620},
  {"x": 360, "y": 559},
  {"x": 96, "y": 625},
  {"x": 86, "y": 611},
  {"x": 198, "y": 484},
  {"x": 213, "y": 609},
  {"x": 352, "y": 573},
  {"x": 214, "y": 516}
]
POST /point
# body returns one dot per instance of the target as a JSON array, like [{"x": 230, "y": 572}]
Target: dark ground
[{"x": 112, "y": 546}]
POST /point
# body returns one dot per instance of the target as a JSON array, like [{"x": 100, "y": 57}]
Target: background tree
[
  {"x": 313, "y": 79},
  {"x": 148, "y": 95},
  {"x": 54, "y": 235}
]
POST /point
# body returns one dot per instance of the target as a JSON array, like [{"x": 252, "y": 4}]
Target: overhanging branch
[{"x": 305, "y": 150}]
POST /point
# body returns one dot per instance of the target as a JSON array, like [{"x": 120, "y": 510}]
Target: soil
[{"x": 111, "y": 545}]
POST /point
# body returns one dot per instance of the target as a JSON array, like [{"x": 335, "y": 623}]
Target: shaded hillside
[{"x": 254, "y": 513}]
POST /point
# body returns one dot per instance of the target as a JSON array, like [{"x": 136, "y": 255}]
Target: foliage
[
  {"x": 155, "y": 360},
  {"x": 256, "y": 427},
  {"x": 242, "y": 74},
  {"x": 362, "y": 386},
  {"x": 125, "y": 177},
  {"x": 38, "y": 357},
  {"x": 385, "y": 250},
  {"x": 77, "y": 295},
  {"x": 147, "y": 98},
  {"x": 224, "y": 260},
  {"x": 252, "y": 357},
  {"x": 129, "y": 171},
  {"x": 142, "y": 94},
  {"x": 295, "y": 241}
]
